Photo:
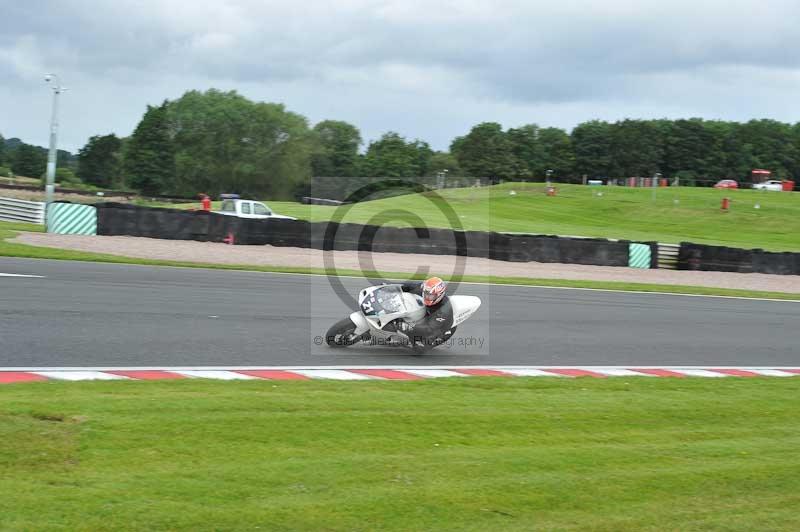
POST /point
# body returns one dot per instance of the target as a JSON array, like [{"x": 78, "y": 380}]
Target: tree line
[
  {"x": 214, "y": 141},
  {"x": 694, "y": 150},
  {"x": 20, "y": 158}
]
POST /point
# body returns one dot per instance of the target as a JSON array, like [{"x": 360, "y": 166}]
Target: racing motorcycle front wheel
[{"x": 342, "y": 334}]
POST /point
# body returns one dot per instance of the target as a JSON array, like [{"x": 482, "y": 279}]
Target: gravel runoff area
[{"x": 216, "y": 253}]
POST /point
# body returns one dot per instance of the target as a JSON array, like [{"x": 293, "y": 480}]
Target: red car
[{"x": 727, "y": 183}]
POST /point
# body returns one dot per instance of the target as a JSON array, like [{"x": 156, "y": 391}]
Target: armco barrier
[
  {"x": 720, "y": 258},
  {"x": 15, "y": 210}
]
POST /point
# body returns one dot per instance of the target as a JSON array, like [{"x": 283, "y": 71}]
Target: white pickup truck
[
  {"x": 774, "y": 185},
  {"x": 249, "y": 209}
]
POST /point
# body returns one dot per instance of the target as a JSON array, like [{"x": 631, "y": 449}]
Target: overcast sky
[{"x": 427, "y": 69}]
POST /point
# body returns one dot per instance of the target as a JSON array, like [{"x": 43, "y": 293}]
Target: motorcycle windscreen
[{"x": 383, "y": 301}]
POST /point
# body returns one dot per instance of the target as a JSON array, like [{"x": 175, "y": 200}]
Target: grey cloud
[
  {"x": 267, "y": 41},
  {"x": 509, "y": 58}
]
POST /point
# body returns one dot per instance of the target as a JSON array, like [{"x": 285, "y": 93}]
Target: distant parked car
[
  {"x": 727, "y": 183},
  {"x": 249, "y": 209},
  {"x": 772, "y": 184}
]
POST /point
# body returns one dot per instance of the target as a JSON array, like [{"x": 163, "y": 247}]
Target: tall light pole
[{"x": 55, "y": 84}]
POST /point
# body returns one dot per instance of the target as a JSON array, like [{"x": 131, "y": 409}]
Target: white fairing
[
  {"x": 361, "y": 323},
  {"x": 463, "y": 308},
  {"x": 383, "y": 304}
]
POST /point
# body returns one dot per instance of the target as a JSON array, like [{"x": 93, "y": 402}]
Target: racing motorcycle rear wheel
[{"x": 341, "y": 334}]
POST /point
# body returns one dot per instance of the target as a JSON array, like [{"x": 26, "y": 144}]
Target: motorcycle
[{"x": 380, "y": 306}]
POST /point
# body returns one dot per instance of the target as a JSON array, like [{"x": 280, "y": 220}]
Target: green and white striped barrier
[
  {"x": 71, "y": 219},
  {"x": 639, "y": 255}
]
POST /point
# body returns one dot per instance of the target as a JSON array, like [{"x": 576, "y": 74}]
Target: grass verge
[
  {"x": 8, "y": 249},
  {"x": 456, "y": 454},
  {"x": 756, "y": 219}
]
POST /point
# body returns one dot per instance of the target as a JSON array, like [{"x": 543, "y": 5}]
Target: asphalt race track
[{"x": 90, "y": 314}]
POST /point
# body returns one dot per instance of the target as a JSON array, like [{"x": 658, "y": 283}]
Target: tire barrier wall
[
  {"x": 71, "y": 219},
  {"x": 168, "y": 224},
  {"x": 175, "y": 224},
  {"x": 725, "y": 259}
]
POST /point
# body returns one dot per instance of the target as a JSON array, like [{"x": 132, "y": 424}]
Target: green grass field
[
  {"x": 678, "y": 214},
  {"x": 457, "y": 454},
  {"x": 20, "y": 180},
  {"x": 9, "y": 249}
]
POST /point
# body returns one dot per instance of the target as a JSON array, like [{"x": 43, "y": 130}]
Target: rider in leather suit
[{"x": 437, "y": 325}]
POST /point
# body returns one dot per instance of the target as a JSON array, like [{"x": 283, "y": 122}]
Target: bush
[
  {"x": 65, "y": 176},
  {"x": 5, "y": 171},
  {"x": 687, "y": 178}
]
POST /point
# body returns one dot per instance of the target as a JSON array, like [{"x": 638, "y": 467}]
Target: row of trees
[
  {"x": 208, "y": 142},
  {"x": 218, "y": 141},
  {"x": 215, "y": 141},
  {"x": 19, "y": 158},
  {"x": 692, "y": 149}
]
